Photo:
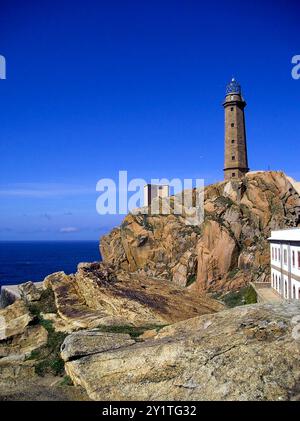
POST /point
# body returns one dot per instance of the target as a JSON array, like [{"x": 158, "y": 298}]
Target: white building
[
  {"x": 285, "y": 262},
  {"x": 152, "y": 191}
]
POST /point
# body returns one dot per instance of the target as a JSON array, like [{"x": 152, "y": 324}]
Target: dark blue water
[{"x": 32, "y": 261}]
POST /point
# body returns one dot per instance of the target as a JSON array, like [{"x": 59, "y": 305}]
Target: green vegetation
[
  {"x": 245, "y": 211},
  {"x": 224, "y": 201},
  {"x": 232, "y": 273},
  {"x": 250, "y": 296},
  {"x": 245, "y": 295},
  {"x": 47, "y": 358},
  {"x": 66, "y": 381},
  {"x": 133, "y": 331},
  {"x": 275, "y": 207},
  {"x": 191, "y": 279},
  {"x": 54, "y": 366},
  {"x": 46, "y": 304},
  {"x": 197, "y": 229},
  {"x": 146, "y": 224}
]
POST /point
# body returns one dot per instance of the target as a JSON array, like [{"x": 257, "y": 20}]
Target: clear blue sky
[{"x": 94, "y": 87}]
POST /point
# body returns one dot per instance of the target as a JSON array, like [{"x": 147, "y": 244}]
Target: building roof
[{"x": 289, "y": 234}]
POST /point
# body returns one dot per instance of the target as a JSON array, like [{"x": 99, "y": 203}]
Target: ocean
[{"x": 23, "y": 261}]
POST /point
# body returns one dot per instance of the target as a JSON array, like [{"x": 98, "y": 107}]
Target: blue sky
[{"x": 97, "y": 87}]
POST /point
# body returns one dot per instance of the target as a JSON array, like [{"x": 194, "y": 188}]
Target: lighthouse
[{"x": 236, "y": 159}]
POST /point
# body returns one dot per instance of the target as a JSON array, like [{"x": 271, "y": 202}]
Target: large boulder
[
  {"x": 246, "y": 353},
  {"x": 20, "y": 346},
  {"x": 18, "y": 338},
  {"x": 88, "y": 342},
  {"x": 29, "y": 292},
  {"x": 97, "y": 295},
  {"x": 14, "y": 319}
]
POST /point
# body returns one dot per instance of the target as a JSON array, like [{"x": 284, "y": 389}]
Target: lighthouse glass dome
[{"x": 233, "y": 87}]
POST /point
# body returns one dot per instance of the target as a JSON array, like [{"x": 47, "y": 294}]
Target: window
[
  {"x": 232, "y": 124},
  {"x": 272, "y": 253},
  {"x": 275, "y": 253},
  {"x": 232, "y": 141},
  {"x": 285, "y": 256},
  {"x": 298, "y": 259},
  {"x": 294, "y": 292},
  {"x": 279, "y": 255},
  {"x": 233, "y": 174},
  {"x": 231, "y": 109},
  {"x": 293, "y": 258},
  {"x": 299, "y": 293},
  {"x": 285, "y": 289},
  {"x": 233, "y": 158}
]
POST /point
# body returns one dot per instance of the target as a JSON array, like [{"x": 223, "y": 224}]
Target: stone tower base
[{"x": 234, "y": 173}]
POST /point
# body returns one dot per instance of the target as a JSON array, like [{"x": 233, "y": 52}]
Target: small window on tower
[
  {"x": 232, "y": 124},
  {"x": 233, "y": 174},
  {"x": 231, "y": 109},
  {"x": 233, "y": 157},
  {"x": 232, "y": 141}
]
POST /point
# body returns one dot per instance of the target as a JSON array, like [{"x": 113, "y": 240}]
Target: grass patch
[
  {"x": 47, "y": 358},
  {"x": 245, "y": 295},
  {"x": 191, "y": 279},
  {"x": 250, "y": 296},
  {"x": 54, "y": 366},
  {"x": 66, "y": 381},
  {"x": 224, "y": 201},
  {"x": 133, "y": 331},
  {"x": 232, "y": 273}
]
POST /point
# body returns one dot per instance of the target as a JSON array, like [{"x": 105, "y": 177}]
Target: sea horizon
[
  {"x": 39, "y": 258},
  {"x": 49, "y": 241}
]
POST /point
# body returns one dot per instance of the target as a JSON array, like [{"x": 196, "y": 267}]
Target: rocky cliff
[{"x": 228, "y": 250}]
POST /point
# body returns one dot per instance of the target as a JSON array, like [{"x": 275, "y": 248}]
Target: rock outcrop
[
  {"x": 29, "y": 292},
  {"x": 14, "y": 319},
  {"x": 89, "y": 342},
  {"x": 18, "y": 338},
  {"x": 228, "y": 250},
  {"x": 246, "y": 353},
  {"x": 97, "y": 295}
]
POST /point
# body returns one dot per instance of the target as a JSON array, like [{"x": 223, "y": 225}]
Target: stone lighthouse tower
[{"x": 236, "y": 160}]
